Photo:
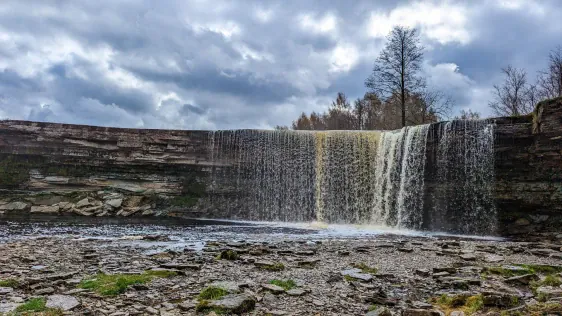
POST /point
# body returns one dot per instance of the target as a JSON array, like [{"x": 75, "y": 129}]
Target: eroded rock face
[{"x": 135, "y": 172}]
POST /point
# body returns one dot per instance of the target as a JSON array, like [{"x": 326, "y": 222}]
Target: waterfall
[
  {"x": 464, "y": 178},
  {"x": 387, "y": 178}
]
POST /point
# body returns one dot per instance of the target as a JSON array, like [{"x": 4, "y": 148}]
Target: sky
[{"x": 223, "y": 64}]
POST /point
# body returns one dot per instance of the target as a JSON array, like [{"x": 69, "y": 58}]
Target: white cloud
[
  {"x": 343, "y": 58},
  {"x": 442, "y": 22},
  {"x": 321, "y": 25}
]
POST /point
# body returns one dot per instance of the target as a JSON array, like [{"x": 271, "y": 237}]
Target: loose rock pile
[{"x": 292, "y": 277}]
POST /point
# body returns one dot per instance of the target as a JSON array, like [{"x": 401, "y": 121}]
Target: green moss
[
  {"x": 348, "y": 278},
  {"x": 14, "y": 171},
  {"x": 508, "y": 272},
  {"x": 285, "y": 284},
  {"x": 228, "y": 255},
  {"x": 539, "y": 268},
  {"x": 212, "y": 293},
  {"x": 276, "y": 267},
  {"x": 365, "y": 268},
  {"x": 115, "y": 284},
  {"x": 36, "y": 305},
  {"x": 552, "y": 280},
  {"x": 161, "y": 273},
  {"x": 9, "y": 283},
  {"x": 372, "y": 307},
  {"x": 467, "y": 304}
]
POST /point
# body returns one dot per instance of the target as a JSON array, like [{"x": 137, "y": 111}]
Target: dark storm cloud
[{"x": 252, "y": 64}]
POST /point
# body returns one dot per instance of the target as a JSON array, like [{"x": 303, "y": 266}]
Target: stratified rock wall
[{"x": 86, "y": 170}]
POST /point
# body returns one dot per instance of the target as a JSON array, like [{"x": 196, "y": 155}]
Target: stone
[
  {"x": 308, "y": 263},
  {"x": 356, "y": 274},
  {"x": 275, "y": 289},
  {"x": 499, "y": 299},
  {"x": 43, "y": 291},
  {"x": 234, "y": 303},
  {"x": 187, "y": 305},
  {"x": 6, "y": 308},
  {"x": 181, "y": 266},
  {"x": 63, "y": 302},
  {"x": 264, "y": 264},
  {"x": 5, "y": 290},
  {"x": 115, "y": 203},
  {"x": 14, "y": 206},
  {"x": 45, "y": 209},
  {"x": 380, "y": 311},
  {"x": 549, "y": 291},
  {"x": 83, "y": 203},
  {"x": 151, "y": 310},
  {"x": 522, "y": 222},
  {"x": 457, "y": 313},
  {"x": 423, "y": 272},
  {"x": 522, "y": 279},
  {"x": 230, "y": 286},
  {"x": 422, "y": 312},
  {"x": 468, "y": 257},
  {"x": 406, "y": 249},
  {"x": 493, "y": 258},
  {"x": 296, "y": 292}
]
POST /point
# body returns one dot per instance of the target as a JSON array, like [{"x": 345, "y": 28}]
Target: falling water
[
  {"x": 465, "y": 177},
  {"x": 360, "y": 177}
]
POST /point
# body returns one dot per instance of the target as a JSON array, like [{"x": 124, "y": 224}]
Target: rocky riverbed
[{"x": 288, "y": 274}]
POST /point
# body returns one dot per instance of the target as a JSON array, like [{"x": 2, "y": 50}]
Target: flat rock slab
[
  {"x": 422, "y": 312},
  {"x": 356, "y": 274},
  {"x": 5, "y": 290},
  {"x": 229, "y": 286},
  {"x": 234, "y": 303},
  {"x": 180, "y": 266},
  {"x": 275, "y": 289},
  {"x": 296, "y": 292},
  {"x": 8, "y": 307},
  {"x": 64, "y": 302}
]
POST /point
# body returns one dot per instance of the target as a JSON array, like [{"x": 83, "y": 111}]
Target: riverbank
[{"x": 290, "y": 273}]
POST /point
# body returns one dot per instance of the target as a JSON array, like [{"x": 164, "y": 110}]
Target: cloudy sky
[{"x": 214, "y": 64}]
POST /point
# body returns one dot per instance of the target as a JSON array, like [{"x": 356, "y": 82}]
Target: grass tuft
[
  {"x": 228, "y": 255},
  {"x": 365, "y": 268},
  {"x": 9, "y": 283},
  {"x": 276, "y": 267},
  {"x": 285, "y": 284},
  {"x": 115, "y": 284},
  {"x": 212, "y": 293},
  {"x": 551, "y": 280},
  {"x": 467, "y": 304},
  {"x": 36, "y": 306}
]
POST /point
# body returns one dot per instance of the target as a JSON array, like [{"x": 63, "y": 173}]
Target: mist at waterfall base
[{"x": 436, "y": 177}]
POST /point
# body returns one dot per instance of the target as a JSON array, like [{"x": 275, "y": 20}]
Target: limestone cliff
[{"x": 86, "y": 170}]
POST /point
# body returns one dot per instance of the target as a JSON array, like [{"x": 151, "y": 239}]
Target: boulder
[
  {"x": 234, "y": 303},
  {"x": 499, "y": 299},
  {"x": 522, "y": 279},
  {"x": 6, "y": 308},
  {"x": 14, "y": 206},
  {"x": 62, "y": 302},
  {"x": 275, "y": 289},
  {"x": 83, "y": 203},
  {"x": 45, "y": 209},
  {"x": 356, "y": 274},
  {"x": 549, "y": 291},
  {"x": 229, "y": 286},
  {"x": 422, "y": 312},
  {"x": 115, "y": 203},
  {"x": 380, "y": 311}
]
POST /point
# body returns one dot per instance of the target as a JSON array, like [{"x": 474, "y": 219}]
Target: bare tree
[
  {"x": 550, "y": 80},
  {"x": 432, "y": 106},
  {"x": 510, "y": 97},
  {"x": 398, "y": 66},
  {"x": 532, "y": 96},
  {"x": 468, "y": 115}
]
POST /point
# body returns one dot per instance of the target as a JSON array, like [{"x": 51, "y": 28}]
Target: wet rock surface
[{"x": 374, "y": 277}]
